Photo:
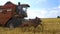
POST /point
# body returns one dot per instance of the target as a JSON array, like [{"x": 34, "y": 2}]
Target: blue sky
[{"x": 39, "y": 8}]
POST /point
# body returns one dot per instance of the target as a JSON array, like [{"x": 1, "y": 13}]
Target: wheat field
[{"x": 49, "y": 26}]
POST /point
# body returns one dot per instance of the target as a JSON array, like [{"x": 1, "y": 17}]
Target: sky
[{"x": 39, "y": 8}]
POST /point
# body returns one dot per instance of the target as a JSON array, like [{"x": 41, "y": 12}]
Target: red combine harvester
[{"x": 12, "y": 14}]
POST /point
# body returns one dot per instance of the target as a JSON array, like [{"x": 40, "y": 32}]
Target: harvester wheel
[
  {"x": 11, "y": 25},
  {"x": 14, "y": 22}
]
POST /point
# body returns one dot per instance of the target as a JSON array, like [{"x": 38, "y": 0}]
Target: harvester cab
[{"x": 21, "y": 9}]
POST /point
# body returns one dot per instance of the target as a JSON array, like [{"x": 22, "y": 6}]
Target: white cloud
[
  {"x": 39, "y": 1},
  {"x": 59, "y": 6},
  {"x": 36, "y": 12},
  {"x": 44, "y": 13}
]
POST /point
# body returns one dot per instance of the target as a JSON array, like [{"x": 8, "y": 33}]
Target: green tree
[{"x": 58, "y": 16}]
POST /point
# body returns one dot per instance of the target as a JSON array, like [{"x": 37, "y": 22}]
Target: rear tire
[{"x": 11, "y": 25}]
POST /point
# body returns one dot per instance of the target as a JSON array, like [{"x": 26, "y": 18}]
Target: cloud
[
  {"x": 40, "y": 1},
  {"x": 44, "y": 13},
  {"x": 59, "y": 6},
  {"x": 37, "y": 12}
]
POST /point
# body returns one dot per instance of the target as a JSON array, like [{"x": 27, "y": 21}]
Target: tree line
[{"x": 58, "y": 16}]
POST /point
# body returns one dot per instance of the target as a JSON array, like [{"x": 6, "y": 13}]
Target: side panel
[
  {"x": 5, "y": 17},
  {"x": 7, "y": 13}
]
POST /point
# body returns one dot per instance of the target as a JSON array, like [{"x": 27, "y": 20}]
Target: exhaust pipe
[{"x": 18, "y": 3}]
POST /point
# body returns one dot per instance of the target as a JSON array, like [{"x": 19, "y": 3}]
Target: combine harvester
[{"x": 12, "y": 14}]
